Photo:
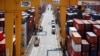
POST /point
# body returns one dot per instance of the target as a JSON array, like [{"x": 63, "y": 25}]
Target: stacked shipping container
[
  {"x": 96, "y": 30},
  {"x": 92, "y": 39},
  {"x": 76, "y": 44},
  {"x": 89, "y": 43},
  {"x": 85, "y": 48},
  {"x": 79, "y": 26}
]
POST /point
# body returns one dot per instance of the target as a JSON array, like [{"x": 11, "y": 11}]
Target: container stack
[
  {"x": 89, "y": 42},
  {"x": 92, "y": 23},
  {"x": 85, "y": 48},
  {"x": 86, "y": 16},
  {"x": 92, "y": 39},
  {"x": 71, "y": 30},
  {"x": 76, "y": 44},
  {"x": 87, "y": 25},
  {"x": 96, "y": 30},
  {"x": 80, "y": 27}
]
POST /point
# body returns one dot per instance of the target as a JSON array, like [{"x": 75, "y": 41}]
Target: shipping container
[
  {"x": 76, "y": 47},
  {"x": 93, "y": 47},
  {"x": 85, "y": 54},
  {"x": 96, "y": 29},
  {"x": 71, "y": 30},
  {"x": 1, "y": 35},
  {"x": 93, "y": 50},
  {"x": 91, "y": 37},
  {"x": 76, "y": 53},
  {"x": 86, "y": 16},
  {"x": 78, "y": 24},
  {"x": 76, "y": 37},
  {"x": 92, "y": 22},
  {"x": 98, "y": 22},
  {"x": 2, "y": 47},
  {"x": 73, "y": 53},
  {"x": 87, "y": 26},
  {"x": 85, "y": 46}
]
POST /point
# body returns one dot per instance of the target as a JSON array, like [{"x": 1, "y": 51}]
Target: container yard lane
[{"x": 49, "y": 45}]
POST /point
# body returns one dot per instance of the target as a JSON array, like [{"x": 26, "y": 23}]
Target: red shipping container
[
  {"x": 96, "y": 29},
  {"x": 76, "y": 53},
  {"x": 85, "y": 46},
  {"x": 92, "y": 22},
  {"x": 85, "y": 54},
  {"x": 76, "y": 37},
  {"x": 2, "y": 45},
  {"x": 78, "y": 24},
  {"x": 1, "y": 35},
  {"x": 88, "y": 26},
  {"x": 86, "y": 16},
  {"x": 91, "y": 37},
  {"x": 73, "y": 53}
]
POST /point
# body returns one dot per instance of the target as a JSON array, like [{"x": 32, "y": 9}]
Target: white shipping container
[
  {"x": 72, "y": 29},
  {"x": 76, "y": 47}
]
